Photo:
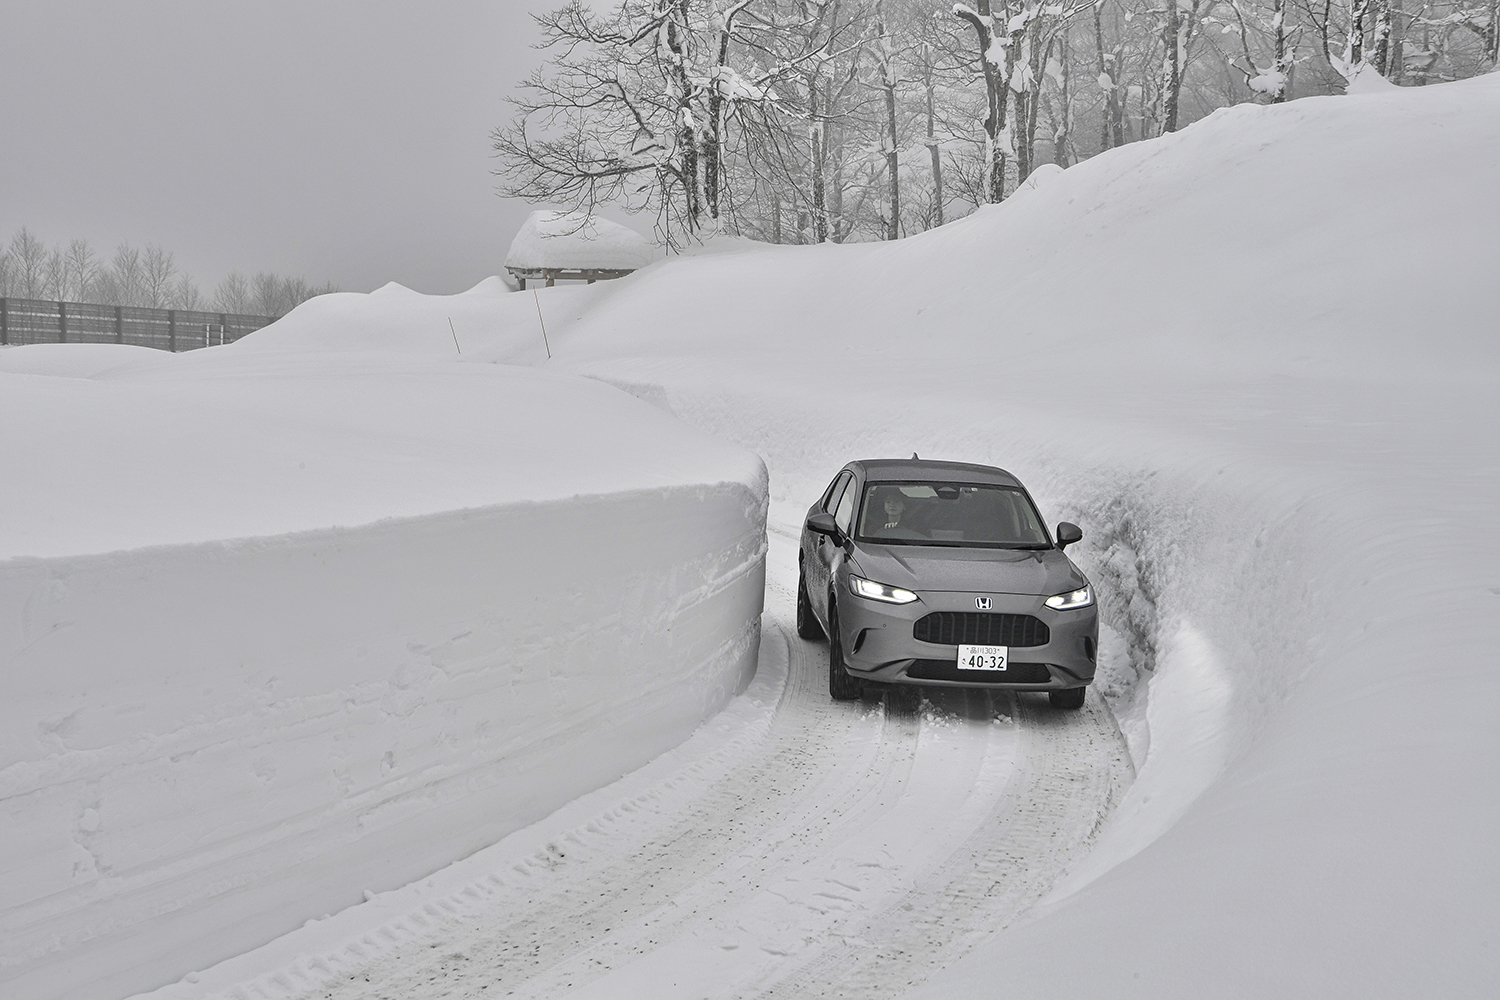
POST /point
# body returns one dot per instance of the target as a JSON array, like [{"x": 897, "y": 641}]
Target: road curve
[{"x": 815, "y": 849}]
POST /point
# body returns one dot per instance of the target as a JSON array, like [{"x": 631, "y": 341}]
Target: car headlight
[
  {"x": 879, "y": 591},
  {"x": 1080, "y": 598}
]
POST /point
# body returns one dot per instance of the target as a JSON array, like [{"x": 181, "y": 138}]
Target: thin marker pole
[
  {"x": 543, "y": 322},
  {"x": 455, "y": 334}
]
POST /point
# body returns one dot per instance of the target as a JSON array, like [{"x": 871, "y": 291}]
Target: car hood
[{"x": 986, "y": 571}]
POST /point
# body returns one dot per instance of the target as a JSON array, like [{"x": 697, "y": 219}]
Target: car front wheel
[
  {"x": 807, "y": 622},
  {"x": 840, "y": 684},
  {"x": 1071, "y": 698}
]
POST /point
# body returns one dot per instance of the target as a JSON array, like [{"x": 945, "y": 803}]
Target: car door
[
  {"x": 843, "y": 516},
  {"x": 820, "y": 550}
]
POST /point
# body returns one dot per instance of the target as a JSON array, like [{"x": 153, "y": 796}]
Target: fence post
[
  {"x": 172, "y": 329},
  {"x": 223, "y": 327},
  {"x": 119, "y": 325},
  {"x": 4, "y": 320},
  {"x": 62, "y": 322}
]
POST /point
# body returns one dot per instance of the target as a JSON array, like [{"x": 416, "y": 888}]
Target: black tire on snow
[
  {"x": 1070, "y": 698},
  {"x": 840, "y": 685},
  {"x": 905, "y": 698},
  {"x": 807, "y": 622}
]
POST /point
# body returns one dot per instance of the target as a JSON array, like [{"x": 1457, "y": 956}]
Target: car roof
[{"x": 925, "y": 470}]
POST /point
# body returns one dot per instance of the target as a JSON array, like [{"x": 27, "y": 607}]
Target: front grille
[
  {"x": 981, "y": 628},
  {"x": 947, "y": 670}
]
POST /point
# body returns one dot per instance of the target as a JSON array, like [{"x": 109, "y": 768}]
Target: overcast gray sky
[{"x": 329, "y": 139}]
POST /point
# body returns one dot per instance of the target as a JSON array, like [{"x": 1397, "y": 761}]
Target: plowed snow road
[{"x": 796, "y": 847}]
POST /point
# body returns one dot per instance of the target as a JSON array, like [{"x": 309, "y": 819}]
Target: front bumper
[{"x": 879, "y": 645}]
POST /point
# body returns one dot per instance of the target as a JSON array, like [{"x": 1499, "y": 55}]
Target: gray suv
[{"x": 943, "y": 573}]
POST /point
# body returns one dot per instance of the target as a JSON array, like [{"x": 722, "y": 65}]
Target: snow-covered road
[{"x": 793, "y": 847}]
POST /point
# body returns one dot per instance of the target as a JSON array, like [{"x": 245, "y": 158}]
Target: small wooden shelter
[{"x": 571, "y": 247}]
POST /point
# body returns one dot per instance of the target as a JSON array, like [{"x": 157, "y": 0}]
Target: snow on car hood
[{"x": 993, "y": 571}]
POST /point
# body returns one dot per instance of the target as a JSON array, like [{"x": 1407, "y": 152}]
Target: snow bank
[
  {"x": 486, "y": 323},
  {"x": 278, "y": 627}
]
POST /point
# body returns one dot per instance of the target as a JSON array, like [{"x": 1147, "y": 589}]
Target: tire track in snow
[
  {"x": 1073, "y": 769},
  {"x": 836, "y": 850},
  {"x": 761, "y": 801}
]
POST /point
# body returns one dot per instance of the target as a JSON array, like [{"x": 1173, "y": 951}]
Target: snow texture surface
[{"x": 1257, "y": 364}]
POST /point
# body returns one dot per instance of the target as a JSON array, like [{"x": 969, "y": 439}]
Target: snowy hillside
[{"x": 1257, "y": 362}]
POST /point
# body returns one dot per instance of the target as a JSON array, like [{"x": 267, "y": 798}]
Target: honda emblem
[{"x": 983, "y": 603}]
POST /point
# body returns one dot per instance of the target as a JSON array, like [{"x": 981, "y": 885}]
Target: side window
[
  {"x": 831, "y": 498},
  {"x": 844, "y": 515}
]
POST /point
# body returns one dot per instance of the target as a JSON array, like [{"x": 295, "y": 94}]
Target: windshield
[{"x": 963, "y": 514}]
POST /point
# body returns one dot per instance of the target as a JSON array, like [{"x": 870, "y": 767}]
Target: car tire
[
  {"x": 1071, "y": 698},
  {"x": 840, "y": 685},
  {"x": 905, "y": 698},
  {"x": 807, "y": 622}
]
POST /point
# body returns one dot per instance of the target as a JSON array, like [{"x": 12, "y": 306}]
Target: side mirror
[
  {"x": 822, "y": 523},
  {"x": 1068, "y": 533}
]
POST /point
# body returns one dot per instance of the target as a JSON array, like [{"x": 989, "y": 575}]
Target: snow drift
[
  {"x": 282, "y": 627},
  {"x": 1259, "y": 367}
]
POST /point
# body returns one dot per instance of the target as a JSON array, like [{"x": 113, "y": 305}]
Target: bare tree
[
  {"x": 232, "y": 294},
  {"x": 123, "y": 282},
  {"x": 294, "y": 292},
  {"x": 55, "y": 281},
  {"x": 795, "y": 120},
  {"x": 1112, "y": 121},
  {"x": 28, "y": 264},
  {"x": 265, "y": 294},
  {"x": 1179, "y": 29},
  {"x": 71, "y": 273},
  {"x": 185, "y": 294},
  {"x": 996, "y": 53},
  {"x": 935, "y": 70},
  {"x": 1268, "y": 28},
  {"x": 888, "y": 53},
  {"x": 158, "y": 269},
  {"x": 83, "y": 269},
  {"x": 634, "y": 108}
]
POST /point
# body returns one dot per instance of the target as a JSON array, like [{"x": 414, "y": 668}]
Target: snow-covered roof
[{"x": 568, "y": 240}]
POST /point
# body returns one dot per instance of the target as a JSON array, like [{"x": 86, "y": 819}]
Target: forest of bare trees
[
  {"x": 136, "y": 276},
  {"x": 799, "y": 121}
]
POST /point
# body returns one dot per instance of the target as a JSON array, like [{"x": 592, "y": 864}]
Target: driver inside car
[{"x": 890, "y": 516}]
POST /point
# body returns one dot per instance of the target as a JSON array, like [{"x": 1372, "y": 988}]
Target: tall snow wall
[{"x": 204, "y": 744}]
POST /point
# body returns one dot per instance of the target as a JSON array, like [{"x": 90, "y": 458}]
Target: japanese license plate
[{"x": 983, "y": 657}]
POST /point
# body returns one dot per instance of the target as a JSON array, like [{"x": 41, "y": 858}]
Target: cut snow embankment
[{"x": 283, "y": 626}]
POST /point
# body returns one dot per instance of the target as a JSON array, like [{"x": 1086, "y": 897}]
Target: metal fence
[{"x": 37, "y": 321}]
